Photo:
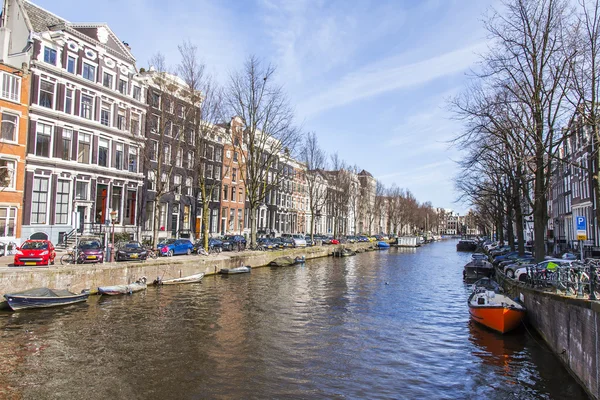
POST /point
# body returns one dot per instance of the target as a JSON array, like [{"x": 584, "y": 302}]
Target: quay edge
[
  {"x": 89, "y": 276},
  {"x": 568, "y": 325}
]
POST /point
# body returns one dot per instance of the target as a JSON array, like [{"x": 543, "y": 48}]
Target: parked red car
[
  {"x": 35, "y": 252},
  {"x": 335, "y": 241}
]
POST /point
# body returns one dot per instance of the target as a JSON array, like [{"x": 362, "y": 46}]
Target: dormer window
[{"x": 49, "y": 55}]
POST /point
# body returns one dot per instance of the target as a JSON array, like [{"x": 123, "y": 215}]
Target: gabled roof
[
  {"x": 40, "y": 20},
  {"x": 111, "y": 41}
]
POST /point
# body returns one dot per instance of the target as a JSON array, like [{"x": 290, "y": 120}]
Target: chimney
[{"x": 127, "y": 45}]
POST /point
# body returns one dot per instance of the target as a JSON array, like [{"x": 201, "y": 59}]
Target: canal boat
[
  {"x": 43, "y": 297},
  {"x": 383, "y": 245},
  {"x": 476, "y": 269},
  {"x": 343, "y": 252},
  {"x": 489, "y": 306},
  {"x": 236, "y": 270},
  {"x": 123, "y": 289},
  {"x": 466, "y": 245},
  {"x": 196, "y": 278},
  {"x": 287, "y": 261}
]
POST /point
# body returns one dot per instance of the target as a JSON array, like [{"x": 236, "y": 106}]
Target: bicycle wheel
[{"x": 67, "y": 259}]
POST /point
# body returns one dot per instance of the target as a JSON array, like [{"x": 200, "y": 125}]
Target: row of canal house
[{"x": 80, "y": 138}]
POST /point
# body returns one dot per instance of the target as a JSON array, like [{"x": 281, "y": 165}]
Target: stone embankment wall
[
  {"x": 569, "y": 326},
  {"x": 90, "y": 276}
]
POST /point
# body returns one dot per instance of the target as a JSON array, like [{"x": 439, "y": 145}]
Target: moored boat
[
  {"x": 43, "y": 297},
  {"x": 123, "y": 289},
  {"x": 492, "y": 308},
  {"x": 383, "y": 245},
  {"x": 343, "y": 252},
  {"x": 185, "y": 279},
  {"x": 466, "y": 245},
  {"x": 236, "y": 270},
  {"x": 287, "y": 261},
  {"x": 476, "y": 269}
]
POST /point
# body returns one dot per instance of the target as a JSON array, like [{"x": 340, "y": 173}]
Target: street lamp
[{"x": 113, "y": 217}]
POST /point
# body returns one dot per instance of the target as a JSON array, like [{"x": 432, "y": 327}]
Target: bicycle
[
  {"x": 152, "y": 254},
  {"x": 258, "y": 247},
  {"x": 68, "y": 258}
]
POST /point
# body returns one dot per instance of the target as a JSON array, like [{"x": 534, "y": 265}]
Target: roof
[{"x": 40, "y": 19}]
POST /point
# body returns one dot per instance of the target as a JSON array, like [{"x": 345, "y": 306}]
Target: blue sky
[{"x": 371, "y": 78}]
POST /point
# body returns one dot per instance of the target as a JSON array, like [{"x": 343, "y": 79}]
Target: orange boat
[{"x": 490, "y": 307}]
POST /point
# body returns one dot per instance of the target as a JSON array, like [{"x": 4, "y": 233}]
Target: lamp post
[{"x": 113, "y": 217}]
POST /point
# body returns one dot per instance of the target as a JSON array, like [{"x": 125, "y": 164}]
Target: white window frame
[
  {"x": 113, "y": 75},
  {"x": 70, "y": 131},
  {"x": 13, "y": 174},
  {"x": 87, "y": 190},
  {"x": 106, "y": 107},
  {"x": 70, "y": 111},
  {"x": 154, "y": 150},
  {"x": 53, "y": 94},
  {"x": 55, "y": 55},
  {"x": 95, "y": 66},
  {"x": 12, "y": 81},
  {"x": 80, "y": 136},
  {"x": 152, "y": 181},
  {"x": 92, "y": 116},
  {"x": 8, "y": 220},
  {"x": 51, "y": 134},
  {"x": 47, "y": 212},
  {"x": 70, "y": 189},
  {"x": 108, "y": 153},
  {"x": 75, "y": 58},
  {"x": 16, "y": 133}
]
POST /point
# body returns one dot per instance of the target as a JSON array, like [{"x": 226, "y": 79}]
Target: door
[{"x": 81, "y": 213}]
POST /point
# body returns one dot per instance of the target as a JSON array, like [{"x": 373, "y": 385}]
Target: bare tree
[
  {"x": 315, "y": 160},
  {"x": 269, "y": 136}
]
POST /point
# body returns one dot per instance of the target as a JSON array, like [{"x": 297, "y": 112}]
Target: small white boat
[
  {"x": 123, "y": 289},
  {"x": 236, "y": 270},
  {"x": 186, "y": 279}
]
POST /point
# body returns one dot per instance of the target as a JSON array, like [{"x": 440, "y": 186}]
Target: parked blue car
[{"x": 171, "y": 247}]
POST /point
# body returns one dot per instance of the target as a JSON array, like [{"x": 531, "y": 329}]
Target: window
[
  {"x": 132, "y": 162},
  {"x": 103, "y": 152},
  {"x": 155, "y": 99},
  {"x": 217, "y": 173},
  {"x": 61, "y": 215},
  {"x": 235, "y": 156},
  {"x": 152, "y": 180},
  {"x": 219, "y": 154},
  {"x": 130, "y": 207},
  {"x": 192, "y": 138},
  {"x": 8, "y": 169},
  {"x": 117, "y": 193},
  {"x": 180, "y": 111},
  {"x": 164, "y": 179},
  {"x": 241, "y": 196},
  {"x": 81, "y": 190},
  {"x": 208, "y": 152},
  {"x": 46, "y": 94},
  {"x": 71, "y": 64},
  {"x": 225, "y": 192},
  {"x": 168, "y": 126},
  {"x": 179, "y": 158},
  {"x": 186, "y": 217},
  {"x": 69, "y": 101},
  {"x": 154, "y": 122},
  {"x": 121, "y": 120},
  {"x": 83, "y": 154},
  {"x": 122, "y": 86},
  {"x": 9, "y": 127},
  {"x": 233, "y": 193},
  {"x": 49, "y": 56},
  {"x": 163, "y": 216},
  {"x": 177, "y": 183},
  {"x": 107, "y": 80},
  {"x": 39, "y": 200},
  {"x": 190, "y": 160},
  {"x": 105, "y": 114},
  {"x": 8, "y": 218},
  {"x": 134, "y": 127},
  {"x": 119, "y": 156},
  {"x": 137, "y": 93},
  {"x": 153, "y": 150},
  {"x": 87, "y": 103},
  {"x": 67, "y": 144},
  {"x": 11, "y": 87},
  {"x": 234, "y": 175},
  {"x": 214, "y": 219},
  {"x": 209, "y": 171},
  {"x": 149, "y": 217},
  {"x": 43, "y": 137},
  {"x": 188, "y": 185},
  {"x": 167, "y": 154},
  {"x": 176, "y": 132},
  {"x": 89, "y": 72}
]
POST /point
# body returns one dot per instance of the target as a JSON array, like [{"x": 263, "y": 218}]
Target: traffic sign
[{"x": 581, "y": 228}]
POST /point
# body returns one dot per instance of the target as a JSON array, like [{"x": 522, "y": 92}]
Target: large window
[
  {"x": 103, "y": 152},
  {"x": 107, "y": 80},
  {"x": 49, "y": 55},
  {"x": 149, "y": 217},
  {"x": 152, "y": 180},
  {"x": 137, "y": 93},
  {"x": 8, "y": 220},
  {"x": 87, "y": 105},
  {"x": 177, "y": 183},
  {"x": 83, "y": 155},
  {"x": 219, "y": 154},
  {"x": 11, "y": 87},
  {"x": 122, "y": 86},
  {"x": 9, "y": 127},
  {"x": 225, "y": 192},
  {"x": 71, "y": 64},
  {"x": 43, "y": 137},
  {"x": 167, "y": 155},
  {"x": 133, "y": 161},
  {"x": 164, "y": 178},
  {"x": 89, "y": 72},
  {"x": 153, "y": 150},
  {"x": 134, "y": 124},
  {"x": 81, "y": 190},
  {"x": 67, "y": 144},
  {"x": 188, "y": 185},
  {"x": 117, "y": 193},
  {"x": 46, "y": 94},
  {"x": 119, "y": 156},
  {"x": 69, "y": 101},
  {"x": 179, "y": 158},
  {"x": 217, "y": 172},
  {"x": 190, "y": 160},
  {"x": 61, "y": 215},
  {"x": 39, "y": 200},
  {"x": 121, "y": 120},
  {"x": 8, "y": 171}
]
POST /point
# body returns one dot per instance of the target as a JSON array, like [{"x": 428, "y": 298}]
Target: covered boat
[
  {"x": 476, "y": 269},
  {"x": 176, "y": 281},
  {"x": 123, "y": 289},
  {"x": 236, "y": 270},
  {"x": 343, "y": 252},
  {"x": 43, "y": 297},
  {"x": 287, "y": 261},
  {"x": 383, "y": 245},
  {"x": 466, "y": 245},
  {"x": 489, "y": 306}
]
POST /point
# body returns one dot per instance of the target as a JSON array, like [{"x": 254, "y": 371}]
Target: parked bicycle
[
  {"x": 152, "y": 253},
  {"x": 69, "y": 258}
]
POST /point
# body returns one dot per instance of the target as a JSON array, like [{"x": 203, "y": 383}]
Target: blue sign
[{"x": 581, "y": 223}]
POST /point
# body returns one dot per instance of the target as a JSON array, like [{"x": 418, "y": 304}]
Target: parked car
[
  {"x": 362, "y": 238},
  {"x": 90, "y": 251},
  {"x": 212, "y": 243},
  {"x": 513, "y": 255},
  {"x": 234, "y": 242},
  {"x": 35, "y": 252},
  {"x": 267, "y": 243},
  {"x": 299, "y": 241},
  {"x": 334, "y": 241},
  {"x": 351, "y": 239},
  {"x": 309, "y": 241},
  {"x": 131, "y": 251},
  {"x": 277, "y": 242},
  {"x": 172, "y": 247},
  {"x": 287, "y": 242}
]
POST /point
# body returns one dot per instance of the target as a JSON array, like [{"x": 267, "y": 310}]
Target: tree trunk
[
  {"x": 539, "y": 212},
  {"x": 156, "y": 226},
  {"x": 253, "y": 226}
]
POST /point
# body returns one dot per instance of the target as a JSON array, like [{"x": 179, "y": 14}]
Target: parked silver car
[{"x": 299, "y": 240}]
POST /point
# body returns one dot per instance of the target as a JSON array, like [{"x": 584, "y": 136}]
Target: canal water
[{"x": 383, "y": 325}]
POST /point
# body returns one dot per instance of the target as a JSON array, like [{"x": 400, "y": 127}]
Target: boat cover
[{"x": 44, "y": 292}]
